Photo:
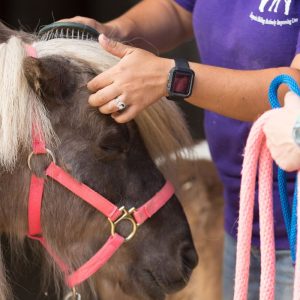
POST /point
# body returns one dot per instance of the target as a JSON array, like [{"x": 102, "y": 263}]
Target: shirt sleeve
[{"x": 187, "y": 4}]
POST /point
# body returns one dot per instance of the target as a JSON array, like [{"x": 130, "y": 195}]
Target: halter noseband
[{"x": 114, "y": 214}]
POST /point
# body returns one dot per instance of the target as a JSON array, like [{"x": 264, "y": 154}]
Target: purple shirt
[{"x": 244, "y": 35}]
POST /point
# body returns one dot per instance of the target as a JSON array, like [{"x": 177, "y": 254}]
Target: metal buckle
[
  {"x": 49, "y": 153},
  {"x": 126, "y": 216}
]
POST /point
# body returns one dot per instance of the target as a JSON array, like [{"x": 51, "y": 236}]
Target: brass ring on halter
[
  {"x": 126, "y": 216},
  {"x": 73, "y": 295},
  {"x": 49, "y": 153}
]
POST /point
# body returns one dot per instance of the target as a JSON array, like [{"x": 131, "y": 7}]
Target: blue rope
[
  {"x": 277, "y": 81},
  {"x": 293, "y": 233},
  {"x": 284, "y": 201},
  {"x": 289, "y": 215}
]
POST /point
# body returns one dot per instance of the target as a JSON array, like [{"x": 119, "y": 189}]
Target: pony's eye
[
  {"x": 110, "y": 148},
  {"x": 114, "y": 148},
  {"x": 110, "y": 152},
  {"x": 115, "y": 140}
]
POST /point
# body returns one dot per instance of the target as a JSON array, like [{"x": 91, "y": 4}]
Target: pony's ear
[
  {"x": 52, "y": 78},
  {"x": 6, "y": 33}
]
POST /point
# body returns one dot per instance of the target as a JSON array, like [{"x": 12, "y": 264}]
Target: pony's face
[{"x": 111, "y": 159}]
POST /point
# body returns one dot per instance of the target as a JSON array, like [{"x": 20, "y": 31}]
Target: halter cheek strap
[{"x": 114, "y": 214}]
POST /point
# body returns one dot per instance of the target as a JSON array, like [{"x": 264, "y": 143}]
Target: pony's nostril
[{"x": 189, "y": 257}]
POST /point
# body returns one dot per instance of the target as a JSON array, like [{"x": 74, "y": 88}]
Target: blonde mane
[
  {"x": 19, "y": 106},
  {"x": 161, "y": 125}
]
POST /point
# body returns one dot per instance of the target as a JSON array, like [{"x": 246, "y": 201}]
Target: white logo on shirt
[
  {"x": 268, "y": 19},
  {"x": 274, "y": 6}
]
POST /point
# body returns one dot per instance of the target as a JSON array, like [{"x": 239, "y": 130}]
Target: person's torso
[
  {"x": 251, "y": 34},
  {"x": 246, "y": 35}
]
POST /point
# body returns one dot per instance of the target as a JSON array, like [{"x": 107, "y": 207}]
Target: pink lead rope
[
  {"x": 258, "y": 158},
  {"x": 255, "y": 151}
]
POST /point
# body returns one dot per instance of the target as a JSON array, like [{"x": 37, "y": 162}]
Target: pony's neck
[{"x": 13, "y": 205}]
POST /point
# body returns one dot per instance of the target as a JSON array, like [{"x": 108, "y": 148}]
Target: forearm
[
  {"x": 153, "y": 25},
  {"x": 237, "y": 94}
]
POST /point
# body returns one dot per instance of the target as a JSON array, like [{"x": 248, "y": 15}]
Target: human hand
[
  {"x": 138, "y": 80},
  {"x": 278, "y": 130},
  {"x": 101, "y": 28}
]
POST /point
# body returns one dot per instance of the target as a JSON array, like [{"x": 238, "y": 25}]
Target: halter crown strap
[{"x": 38, "y": 141}]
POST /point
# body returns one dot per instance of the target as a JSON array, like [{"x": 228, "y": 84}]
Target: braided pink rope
[
  {"x": 267, "y": 242},
  {"x": 254, "y": 148}
]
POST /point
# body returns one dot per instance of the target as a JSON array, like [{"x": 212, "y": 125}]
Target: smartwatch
[{"x": 180, "y": 80}]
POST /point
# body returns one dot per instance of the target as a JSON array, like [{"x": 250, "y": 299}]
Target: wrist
[{"x": 165, "y": 66}]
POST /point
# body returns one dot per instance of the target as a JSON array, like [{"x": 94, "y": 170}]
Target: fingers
[
  {"x": 104, "y": 95},
  {"x": 137, "y": 87},
  {"x": 120, "y": 110},
  {"x": 100, "y": 81},
  {"x": 115, "y": 105},
  {"x": 111, "y": 101},
  {"x": 115, "y": 48},
  {"x": 292, "y": 100},
  {"x": 83, "y": 20},
  {"x": 125, "y": 116}
]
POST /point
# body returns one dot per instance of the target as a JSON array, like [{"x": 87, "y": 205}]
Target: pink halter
[
  {"x": 256, "y": 152},
  {"x": 103, "y": 205}
]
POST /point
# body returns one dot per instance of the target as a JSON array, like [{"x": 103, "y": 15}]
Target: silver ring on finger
[{"x": 119, "y": 103}]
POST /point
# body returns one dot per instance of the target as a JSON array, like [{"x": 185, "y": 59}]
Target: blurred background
[{"x": 31, "y": 14}]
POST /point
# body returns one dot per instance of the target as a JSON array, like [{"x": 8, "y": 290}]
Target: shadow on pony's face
[{"x": 111, "y": 159}]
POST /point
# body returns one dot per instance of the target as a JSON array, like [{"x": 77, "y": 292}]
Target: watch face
[
  {"x": 296, "y": 134},
  {"x": 181, "y": 82}
]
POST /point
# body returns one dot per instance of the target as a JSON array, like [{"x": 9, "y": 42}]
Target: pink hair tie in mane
[{"x": 30, "y": 50}]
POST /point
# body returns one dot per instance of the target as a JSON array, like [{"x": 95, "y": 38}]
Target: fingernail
[
  {"x": 90, "y": 100},
  {"x": 90, "y": 86},
  {"x": 103, "y": 37}
]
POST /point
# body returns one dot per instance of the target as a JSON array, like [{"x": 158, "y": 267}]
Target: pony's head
[{"x": 115, "y": 160}]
